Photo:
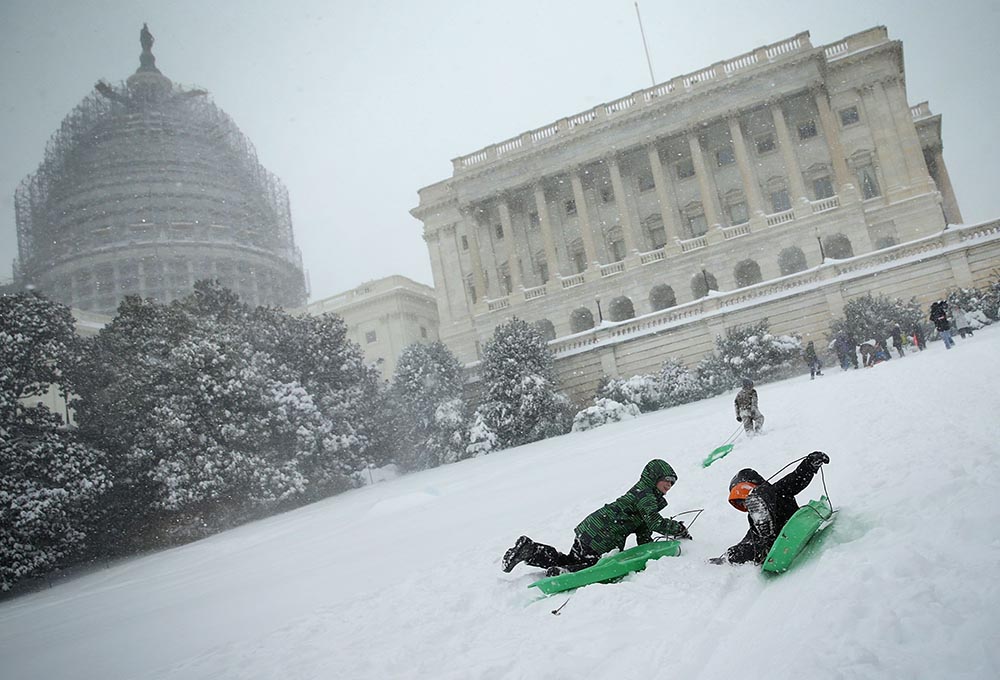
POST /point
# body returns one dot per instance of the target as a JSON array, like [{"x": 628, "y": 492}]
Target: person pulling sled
[
  {"x": 746, "y": 408},
  {"x": 637, "y": 512}
]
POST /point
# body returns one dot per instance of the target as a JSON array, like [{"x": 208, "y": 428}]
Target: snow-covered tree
[
  {"x": 714, "y": 376},
  {"x": 752, "y": 351},
  {"x": 677, "y": 384},
  {"x": 604, "y": 411},
  {"x": 872, "y": 317},
  {"x": 981, "y": 304},
  {"x": 427, "y": 403},
  {"x": 50, "y": 481},
  {"x": 644, "y": 391},
  {"x": 521, "y": 403}
]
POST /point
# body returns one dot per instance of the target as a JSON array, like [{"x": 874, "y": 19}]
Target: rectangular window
[
  {"x": 849, "y": 116},
  {"x": 780, "y": 201},
  {"x": 646, "y": 182},
  {"x": 580, "y": 260},
  {"x": 765, "y": 143},
  {"x": 607, "y": 195},
  {"x": 685, "y": 168},
  {"x": 498, "y": 228},
  {"x": 807, "y": 129},
  {"x": 822, "y": 188},
  {"x": 738, "y": 213},
  {"x": 617, "y": 250},
  {"x": 533, "y": 219},
  {"x": 698, "y": 225},
  {"x": 657, "y": 237},
  {"x": 423, "y": 332},
  {"x": 465, "y": 242},
  {"x": 570, "y": 207},
  {"x": 725, "y": 156},
  {"x": 370, "y": 337},
  {"x": 868, "y": 181}
]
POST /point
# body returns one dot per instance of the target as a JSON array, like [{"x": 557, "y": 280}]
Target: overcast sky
[{"x": 357, "y": 105}]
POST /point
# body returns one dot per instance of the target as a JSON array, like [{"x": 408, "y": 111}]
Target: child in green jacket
[{"x": 637, "y": 512}]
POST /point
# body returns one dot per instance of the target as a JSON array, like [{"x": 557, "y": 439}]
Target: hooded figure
[
  {"x": 768, "y": 507},
  {"x": 746, "y": 408},
  {"x": 637, "y": 511}
]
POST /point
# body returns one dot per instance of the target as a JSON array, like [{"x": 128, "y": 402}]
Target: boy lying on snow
[
  {"x": 768, "y": 507},
  {"x": 636, "y": 512}
]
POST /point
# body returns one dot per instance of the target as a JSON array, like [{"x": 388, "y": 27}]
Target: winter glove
[
  {"x": 721, "y": 559},
  {"x": 682, "y": 532},
  {"x": 738, "y": 419},
  {"x": 817, "y": 458}
]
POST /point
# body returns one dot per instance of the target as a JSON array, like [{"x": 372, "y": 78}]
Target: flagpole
[{"x": 644, "y": 45}]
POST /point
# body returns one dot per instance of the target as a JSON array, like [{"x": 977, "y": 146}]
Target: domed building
[{"x": 146, "y": 188}]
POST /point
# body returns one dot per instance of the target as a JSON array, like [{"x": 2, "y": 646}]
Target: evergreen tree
[
  {"x": 677, "y": 384},
  {"x": 427, "y": 401},
  {"x": 872, "y": 317},
  {"x": 644, "y": 391},
  {"x": 521, "y": 404},
  {"x": 752, "y": 351},
  {"x": 51, "y": 482}
]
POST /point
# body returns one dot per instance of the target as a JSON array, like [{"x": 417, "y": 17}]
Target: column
[
  {"x": 890, "y": 157},
  {"x": 551, "y": 255},
  {"x": 800, "y": 199},
  {"x": 471, "y": 232},
  {"x": 952, "y": 214},
  {"x": 706, "y": 188},
  {"x": 583, "y": 218},
  {"x": 441, "y": 293},
  {"x": 632, "y": 238},
  {"x": 668, "y": 213},
  {"x": 906, "y": 134},
  {"x": 513, "y": 260},
  {"x": 751, "y": 187},
  {"x": 846, "y": 187}
]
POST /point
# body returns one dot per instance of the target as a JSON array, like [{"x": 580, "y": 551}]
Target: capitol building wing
[{"x": 751, "y": 169}]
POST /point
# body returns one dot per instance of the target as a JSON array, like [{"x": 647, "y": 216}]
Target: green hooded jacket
[{"x": 636, "y": 512}]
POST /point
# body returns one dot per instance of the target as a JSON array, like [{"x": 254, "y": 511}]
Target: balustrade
[
  {"x": 652, "y": 256},
  {"x": 780, "y": 218},
  {"x": 570, "y": 281},
  {"x": 612, "y": 269},
  {"x": 735, "y": 231},
  {"x": 690, "y": 244},
  {"x": 825, "y": 204}
]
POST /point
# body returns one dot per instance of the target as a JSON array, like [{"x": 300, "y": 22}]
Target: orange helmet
[{"x": 738, "y": 494}]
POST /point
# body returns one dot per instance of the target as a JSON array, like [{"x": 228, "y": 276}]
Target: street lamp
[
  {"x": 600, "y": 315},
  {"x": 704, "y": 276},
  {"x": 822, "y": 254}
]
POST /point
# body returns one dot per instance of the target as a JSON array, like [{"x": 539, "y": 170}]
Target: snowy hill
[{"x": 402, "y": 579}]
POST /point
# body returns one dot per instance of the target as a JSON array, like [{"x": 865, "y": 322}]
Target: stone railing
[
  {"x": 652, "y": 256},
  {"x": 570, "y": 281},
  {"x": 498, "y": 304},
  {"x": 921, "y": 110},
  {"x": 780, "y": 218},
  {"x": 824, "y": 204},
  {"x": 536, "y": 292},
  {"x": 735, "y": 231},
  {"x": 678, "y": 85},
  {"x": 687, "y": 245},
  {"x": 612, "y": 269}
]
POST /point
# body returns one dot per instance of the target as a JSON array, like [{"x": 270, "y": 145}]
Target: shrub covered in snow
[
  {"x": 677, "y": 384},
  {"x": 752, "y": 351},
  {"x": 520, "y": 404},
  {"x": 603, "y": 412},
  {"x": 50, "y": 482},
  {"x": 982, "y": 305},
  {"x": 872, "y": 317},
  {"x": 644, "y": 391}
]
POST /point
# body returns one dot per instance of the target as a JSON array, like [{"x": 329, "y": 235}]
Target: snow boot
[
  {"x": 522, "y": 549},
  {"x": 554, "y": 571}
]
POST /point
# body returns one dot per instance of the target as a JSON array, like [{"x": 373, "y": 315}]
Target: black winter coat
[
  {"x": 939, "y": 315},
  {"x": 769, "y": 506}
]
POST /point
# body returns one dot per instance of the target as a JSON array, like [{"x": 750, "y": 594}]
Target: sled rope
[
  {"x": 822, "y": 477},
  {"x": 555, "y": 612},
  {"x": 688, "y": 512}
]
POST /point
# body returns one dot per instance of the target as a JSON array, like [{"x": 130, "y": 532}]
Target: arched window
[
  {"x": 838, "y": 247},
  {"x": 620, "y": 309},
  {"x": 546, "y": 329},
  {"x": 791, "y": 260},
  {"x": 747, "y": 273},
  {"x": 698, "y": 286},
  {"x": 661, "y": 297},
  {"x": 581, "y": 319}
]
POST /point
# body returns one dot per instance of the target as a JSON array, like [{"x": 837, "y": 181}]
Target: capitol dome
[{"x": 146, "y": 188}]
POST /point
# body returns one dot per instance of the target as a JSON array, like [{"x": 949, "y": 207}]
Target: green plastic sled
[
  {"x": 717, "y": 454},
  {"x": 807, "y": 521},
  {"x": 611, "y": 567}
]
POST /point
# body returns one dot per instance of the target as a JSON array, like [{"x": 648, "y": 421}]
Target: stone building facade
[
  {"x": 146, "y": 188},
  {"x": 384, "y": 316},
  {"x": 752, "y": 169}
]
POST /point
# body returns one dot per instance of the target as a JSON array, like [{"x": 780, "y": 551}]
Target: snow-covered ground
[{"x": 402, "y": 579}]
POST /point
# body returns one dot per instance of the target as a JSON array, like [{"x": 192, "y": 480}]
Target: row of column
[{"x": 671, "y": 217}]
